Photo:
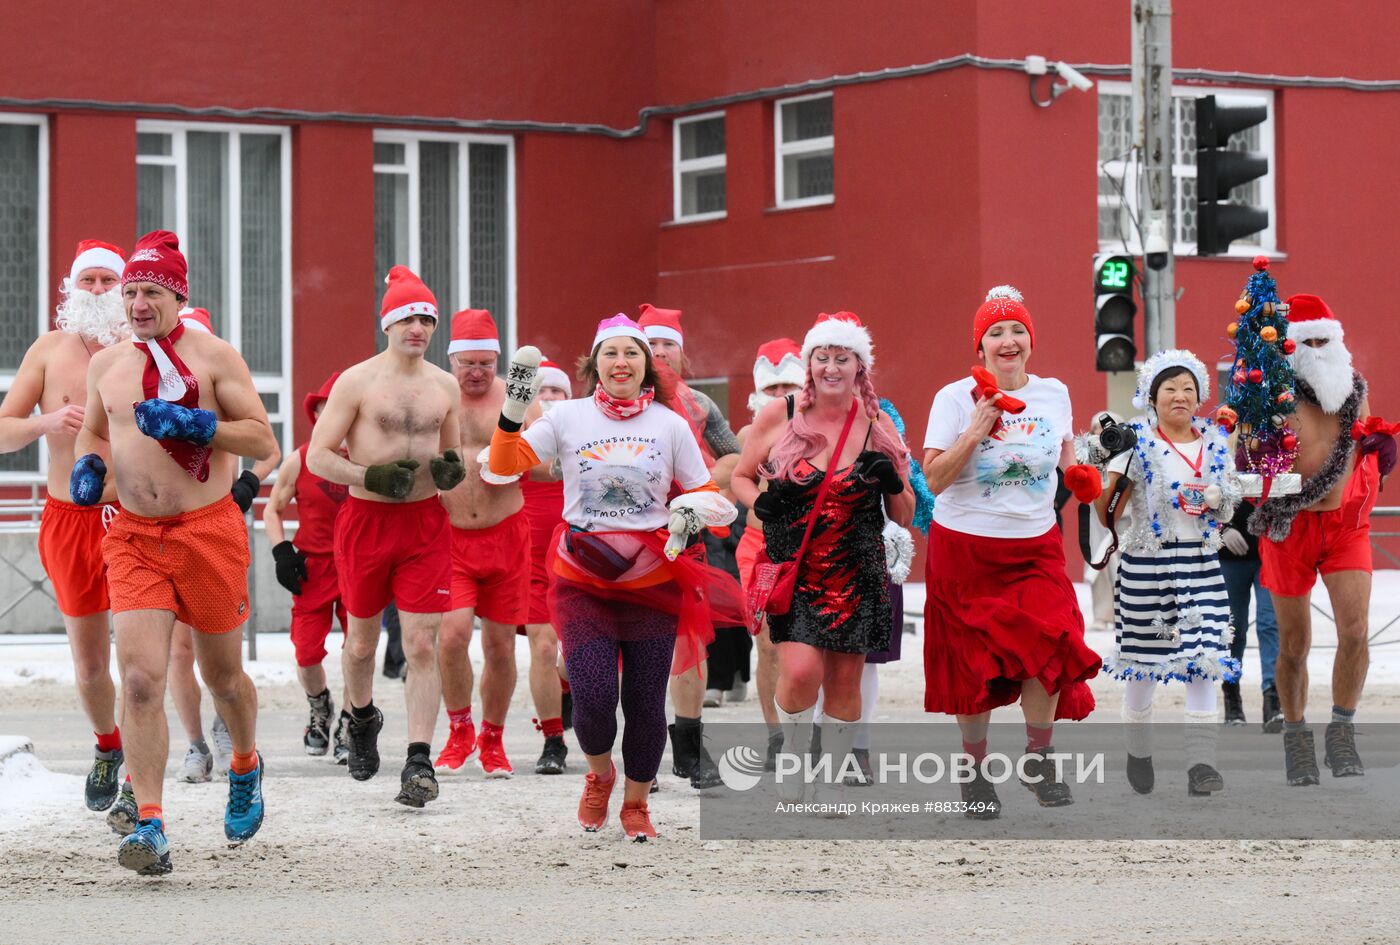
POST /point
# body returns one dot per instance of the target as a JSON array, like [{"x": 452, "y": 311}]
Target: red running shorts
[
  {"x": 491, "y": 570},
  {"x": 314, "y": 608},
  {"x": 1323, "y": 542},
  {"x": 70, "y": 549},
  {"x": 394, "y": 551}
]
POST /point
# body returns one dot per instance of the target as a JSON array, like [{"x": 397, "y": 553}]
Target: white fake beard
[
  {"x": 1327, "y": 370},
  {"x": 98, "y": 318},
  {"x": 758, "y": 400}
]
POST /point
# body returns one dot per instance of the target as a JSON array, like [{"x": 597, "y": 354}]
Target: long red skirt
[{"x": 1000, "y": 611}]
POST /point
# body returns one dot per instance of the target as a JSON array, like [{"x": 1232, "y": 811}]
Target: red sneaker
[
  {"x": 461, "y": 742},
  {"x": 636, "y": 823},
  {"x": 593, "y": 806},
  {"x": 494, "y": 763}
]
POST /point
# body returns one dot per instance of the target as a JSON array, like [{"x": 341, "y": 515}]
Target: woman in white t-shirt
[
  {"x": 1173, "y": 610},
  {"x": 1001, "y": 622},
  {"x": 623, "y": 588}
]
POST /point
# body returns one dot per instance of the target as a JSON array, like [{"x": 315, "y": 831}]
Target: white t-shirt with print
[
  {"x": 617, "y": 473},
  {"x": 1007, "y": 487}
]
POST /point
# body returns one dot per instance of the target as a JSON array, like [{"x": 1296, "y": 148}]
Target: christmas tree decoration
[{"x": 1260, "y": 394}]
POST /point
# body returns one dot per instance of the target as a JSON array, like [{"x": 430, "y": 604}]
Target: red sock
[
  {"x": 112, "y": 741},
  {"x": 978, "y": 750},
  {"x": 460, "y": 717},
  {"x": 243, "y": 763},
  {"x": 150, "y": 812},
  {"x": 550, "y": 727},
  {"x": 1038, "y": 737},
  {"x": 491, "y": 729},
  {"x": 564, "y": 685}
]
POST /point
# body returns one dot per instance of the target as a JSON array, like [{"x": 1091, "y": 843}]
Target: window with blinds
[{"x": 23, "y": 259}]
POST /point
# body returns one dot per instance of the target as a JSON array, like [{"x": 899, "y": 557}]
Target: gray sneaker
[
  {"x": 123, "y": 815},
  {"x": 223, "y": 747},
  {"x": 198, "y": 765}
]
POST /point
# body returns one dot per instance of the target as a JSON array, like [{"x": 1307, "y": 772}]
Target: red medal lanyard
[{"x": 1200, "y": 457}]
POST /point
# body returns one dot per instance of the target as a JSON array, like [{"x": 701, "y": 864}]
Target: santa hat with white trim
[
  {"x": 1309, "y": 318},
  {"x": 779, "y": 362},
  {"x": 552, "y": 375},
  {"x": 406, "y": 296},
  {"x": 198, "y": 319},
  {"x": 661, "y": 323},
  {"x": 842, "y": 330},
  {"x": 97, "y": 254},
  {"x": 474, "y": 329}
]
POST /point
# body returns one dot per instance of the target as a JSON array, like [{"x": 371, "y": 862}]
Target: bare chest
[
  {"x": 408, "y": 411},
  {"x": 123, "y": 385},
  {"x": 477, "y": 422},
  {"x": 65, "y": 380},
  {"x": 1317, "y": 435}
]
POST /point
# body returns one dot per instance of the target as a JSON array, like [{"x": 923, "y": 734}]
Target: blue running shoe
[
  {"x": 244, "y": 813},
  {"x": 145, "y": 850}
]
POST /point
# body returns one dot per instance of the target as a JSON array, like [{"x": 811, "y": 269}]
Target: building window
[
  {"x": 804, "y": 152},
  {"x": 24, "y": 222},
  {"x": 225, "y": 190},
  {"x": 444, "y": 206},
  {"x": 1119, "y": 167},
  {"x": 699, "y": 175}
]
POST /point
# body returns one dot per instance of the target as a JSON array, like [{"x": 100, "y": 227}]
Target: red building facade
[{"x": 557, "y": 164}]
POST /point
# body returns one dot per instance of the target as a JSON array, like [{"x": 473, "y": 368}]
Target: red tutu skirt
[{"x": 1000, "y": 611}]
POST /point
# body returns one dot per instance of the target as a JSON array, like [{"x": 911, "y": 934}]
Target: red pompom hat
[
  {"x": 406, "y": 296},
  {"x": 661, "y": 323},
  {"x": 1003, "y": 303},
  {"x": 92, "y": 254},
  {"x": 157, "y": 258},
  {"x": 312, "y": 401},
  {"x": 474, "y": 329}
]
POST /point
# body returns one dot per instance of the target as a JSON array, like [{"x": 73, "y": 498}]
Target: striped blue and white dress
[{"x": 1172, "y": 613}]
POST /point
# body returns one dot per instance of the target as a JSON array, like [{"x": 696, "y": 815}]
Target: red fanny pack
[{"x": 774, "y": 582}]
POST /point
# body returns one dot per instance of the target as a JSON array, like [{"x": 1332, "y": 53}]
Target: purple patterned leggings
[{"x": 593, "y": 631}]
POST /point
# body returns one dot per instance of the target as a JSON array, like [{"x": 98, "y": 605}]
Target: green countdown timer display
[{"x": 1114, "y": 274}]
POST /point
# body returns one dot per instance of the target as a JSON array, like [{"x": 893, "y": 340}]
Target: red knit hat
[
  {"x": 474, "y": 329},
  {"x": 92, "y": 254},
  {"x": 312, "y": 401},
  {"x": 198, "y": 319},
  {"x": 157, "y": 258},
  {"x": 406, "y": 296},
  {"x": 1003, "y": 303},
  {"x": 661, "y": 323}
]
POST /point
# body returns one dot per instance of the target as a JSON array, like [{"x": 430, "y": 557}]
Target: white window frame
[
  {"x": 1126, "y": 172},
  {"x": 783, "y": 149},
  {"x": 263, "y": 382},
  {"x": 410, "y": 140},
  {"x": 41, "y": 316},
  {"x": 681, "y": 167}
]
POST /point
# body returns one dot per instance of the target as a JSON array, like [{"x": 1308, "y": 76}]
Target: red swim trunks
[
  {"x": 1323, "y": 542},
  {"x": 314, "y": 608},
  {"x": 70, "y": 549},
  {"x": 394, "y": 550},
  {"x": 491, "y": 570},
  {"x": 194, "y": 564}
]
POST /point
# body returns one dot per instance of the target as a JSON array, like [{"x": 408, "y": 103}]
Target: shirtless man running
[
  {"x": 172, "y": 413},
  {"x": 397, "y": 416},
  {"x": 53, "y": 377}
]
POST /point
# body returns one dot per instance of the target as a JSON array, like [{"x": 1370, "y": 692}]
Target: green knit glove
[
  {"x": 447, "y": 469},
  {"x": 394, "y": 480}
]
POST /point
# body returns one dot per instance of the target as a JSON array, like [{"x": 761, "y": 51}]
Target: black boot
[
  {"x": 1202, "y": 780},
  {"x": 1140, "y": 774},
  {"x": 1042, "y": 781},
  {"x": 1300, "y": 758},
  {"x": 775, "y": 745},
  {"x": 1340, "y": 750},
  {"x": 1234, "y": 705},
  {"x": 704, "y": 773},
  {"x": 682, "y": 755},
  {"x": 566, "y": 709},
  {"x": 1273, "y": 715}
]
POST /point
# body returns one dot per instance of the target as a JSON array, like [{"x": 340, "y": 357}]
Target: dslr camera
[{"x": 1115, "y": 438}]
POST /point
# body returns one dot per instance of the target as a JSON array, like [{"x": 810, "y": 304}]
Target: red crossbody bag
[{"x": 774, "y": 581}]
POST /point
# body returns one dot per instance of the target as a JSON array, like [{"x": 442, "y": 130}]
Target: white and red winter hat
[
  {"x": 96, "y": 254},
  {"x": 406, "y": 296},
  {"x": 198, "y": 319},
  {"x": 157, "y": 258},
  {"x": 779, "y": 362},
  {"x": 618, "y": 326},
  {"x": 1309, "y": 318},
  {"x": 474, "y": 329},
  {"x": 842, "y": 330},
  {"x": 552, "y": 375},
  {"x": 661, "y": 323}
]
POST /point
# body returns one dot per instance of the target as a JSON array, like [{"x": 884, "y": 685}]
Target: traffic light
[
  {"x": 1113, "y": 314},
  {"x": 1219, "y": 171}
]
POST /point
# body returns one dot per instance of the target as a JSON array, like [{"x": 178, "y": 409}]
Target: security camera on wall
[{"x": 1073, "y": 76}]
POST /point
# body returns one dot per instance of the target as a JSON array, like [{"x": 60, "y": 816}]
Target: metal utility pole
[{"x": 1153, "y": 134}]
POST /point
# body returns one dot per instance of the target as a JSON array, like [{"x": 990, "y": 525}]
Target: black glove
[
  {"x": 291, "y": 566},
  {"x": 877, "y": 469},
  {"x": 394, "y": 480},
  {"x": 447, "y": 470},
  {"x": 245, "y": 490},
  {"x": 767, "y": 507}
]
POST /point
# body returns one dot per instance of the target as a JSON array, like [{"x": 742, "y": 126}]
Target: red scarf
[
  {"x": 619, "y": 409},
  {"x": 167, "y": 377}
]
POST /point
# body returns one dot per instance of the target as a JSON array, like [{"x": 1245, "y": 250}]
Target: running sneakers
[
  {"x": 552, "y": 758},
  {"x": 1042, "y": 780},
  {"x": 1339, "y": 743},
  {"x": 103, "y": 780},
  {"x": 123, "y": 816},
  {"x": 737, "y": 693},
  {"x": 775, "y": 745},
  {"x": 636, "y": 823},
  {"x": 341, "y": 752},
  {"x": 145, "y": 850},
  {"x": 1300, "y": 758},
  {"x": 244, "y": 813},
  {"x": 461, "y": 742},
  {"x": 593, "y": 806},
  {"x": 223, "y": 746},
  {"x": 417, "y": 783},
  {"x": 198, "y": 765},
  {"x": 494, "y": 763},
  {"x": 316, "y": 739},
  {"x": 364, "y": 745},
  {"x": 714, "y": 698}
]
